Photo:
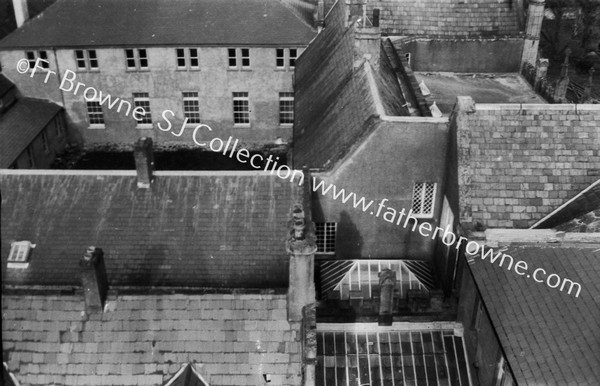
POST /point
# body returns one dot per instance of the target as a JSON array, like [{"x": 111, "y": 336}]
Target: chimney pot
[
  {"x": 21, "y": 11},
  {"x": 144, "y": 162},
  {"x": 93, "y": 278}
]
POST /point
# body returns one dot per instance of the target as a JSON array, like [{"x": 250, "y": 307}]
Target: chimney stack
[
  {"x": 93, "y": 279},
  {"x": 387, "y": 283},
  {"x": 375, "y": 21},
  {"x": 144, "y": 162},
  {"x": 21, "y": 11}
]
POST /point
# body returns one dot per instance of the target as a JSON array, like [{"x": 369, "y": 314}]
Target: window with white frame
[
  {"x": 20, "y": 252},
  {"x": 191, "y": 107},
  {"x": 286, "y": 108},
  {"x": 241, "y": 108},
  {"x": 86, "y": 60},
  {"x": 136, "y": 58},
  {"x": 187, "y": 59},
  {"x": 239, "y": 58},
  {"x": 95, "y": 115},
  {"x": 285, "y": 58},
  {"x": 142, "y": 99},
  {"x": 32, "y": 56},
  {"x": 423, "y": 199},
  {"x": 325, "y": 232}
]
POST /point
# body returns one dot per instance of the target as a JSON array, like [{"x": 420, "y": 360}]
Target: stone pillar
[
  {"x": 387, "y": 283},
  {"x": 144, "y": 162},
  {"x": 93, "y": 279},
  {"x": 535, "y": 16},
  {"x": 301, "y": 247}
]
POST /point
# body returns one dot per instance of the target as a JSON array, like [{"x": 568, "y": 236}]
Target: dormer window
[{"x": 20, "y": 251}]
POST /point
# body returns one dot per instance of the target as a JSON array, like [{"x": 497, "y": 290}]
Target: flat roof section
[{"x": 483, "y": 88}]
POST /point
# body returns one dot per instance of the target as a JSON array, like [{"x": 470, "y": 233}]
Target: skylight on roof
[{"x": 20, "y": 252}]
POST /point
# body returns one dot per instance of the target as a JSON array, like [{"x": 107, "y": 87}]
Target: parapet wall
[
  {"x": 442, "y": 18},
  {"x": 519, "y": 162}
]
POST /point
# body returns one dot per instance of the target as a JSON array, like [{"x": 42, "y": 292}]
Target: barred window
[
  {"x": 286, "y": 108},
  {"x": 423, "y": 199},
  {"x": 95, "y": 115},
  {"x": 241, "y": 108},
  {"x": 191, "y": 107},
  {"x": 136, "y": 59},
  {"x": 86, "y": 60},
  {"x": 142, "y": 99},
  {"x": 325, "y": 232}
]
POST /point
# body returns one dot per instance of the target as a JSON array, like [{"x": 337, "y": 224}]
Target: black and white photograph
[{"x": 300, "y": 192}]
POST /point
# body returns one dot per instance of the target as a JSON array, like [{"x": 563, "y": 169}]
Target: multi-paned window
[
  {"x": 286, "y": 108},
  {"x": 187, "y": 58},
  {"x": 239, "y": 58},
  {"x": 32, "y": 57},
  {"x": 423, "y": 199},
  {"x": 86, "y": 60},
  {"x": 191, "y": 107},
  {"x": 137, "y": 58},
  {"x": 285, "y": 58},
  {"x": 241, "y": 108},
  {"x": 142, "y": 99},
  {"x": 325, "y": 232},
  {"x": 95, "y": 115},
  {"x": 18, "y": 256}
]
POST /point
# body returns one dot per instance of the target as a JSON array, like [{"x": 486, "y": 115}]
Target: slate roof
[
  {"x": 549, "y": 337},
  {"x": 192, "y": 229},
  {"x": 585, "y": 202},
  {"x": 19, "y": 126},
  {"x": 83, "y": 23},
  {"x": 145, "y": 340},
  {"x": 336, "y": 105},
  {"x": 519, "y": 162}
]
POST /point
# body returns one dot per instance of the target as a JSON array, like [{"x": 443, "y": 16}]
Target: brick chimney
[
  {"x": 21, "y": 11},
  {"x": 93, "y": 279},
  {"x": 533, "y": 30},
  {"x": 367, "y": 40},
  {"x": 144, "y": 162},
  {"x": 387, "y": 283}
]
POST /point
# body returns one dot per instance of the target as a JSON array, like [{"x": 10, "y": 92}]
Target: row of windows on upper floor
[
  {"x": 185, "y": 59},
  {"x": 191, "y": 109}
]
